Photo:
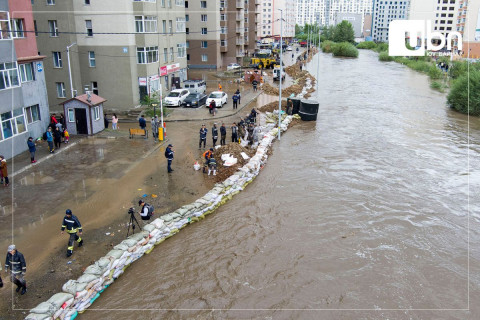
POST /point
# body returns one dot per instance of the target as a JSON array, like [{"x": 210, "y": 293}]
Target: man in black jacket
[
  {"x": 223, "y": 134},
  {"x": 214, "y": 134},
  {"x": 169, "y": 154},
  {"x": 72, "y": 224},
  {"x": 16, "y": 262},
  {"x": 203, "y": 137},
  {"x": 234, "y": 132}
]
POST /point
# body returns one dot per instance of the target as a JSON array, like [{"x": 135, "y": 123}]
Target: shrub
[
  {"x": 437, "y": 86},
  {"x": 367, "y": 45},
  {"x": 435, "y": 73},
  {"x": 327, "y": 46},
  {"x": 465, "y": 90},
  {"x": 420, "y": 66},
  {"x": 384, "y": 56},
  {"x": 381, "y": 47},
  {"x": 458, "y": 69},
  {"x": 345, "y": 49}
]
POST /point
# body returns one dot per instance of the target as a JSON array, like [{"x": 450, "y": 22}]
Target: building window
[
  {"x": 145, "y": 24},
  {"x": 223, "y": 43},
  {"x": 188, "y": 57},
  {"x": 162, "y": 3},
  {"x": 32, "y": 113},
  {"x": 94, "y": 86},
  {"x": 187, "y": 17},
  {"x": 50, "y": 2},
  {"x": 223, "y": 17},
  {"x": 52, "y": 26},
  {"x": 204, "y": 17},
  {"x": 187, "y": 30},
  {"x": 203, "y": 4},
  {"x": 165, "y": 54},
  {"x": 35, "y": 27},
  {"x": 204, "y": 31},
  {"x": 223, "y": 30},
  {"x": 169, "y": 2},
  {"x": 204, "y": 44},
  {"x": 170, "y": 26},
  {"x": 87, "y": 2},
  {"x": 171, "y": 54},
  {"x": 57, "y": 59},
  {"x": 26, "y": 72},
  {"x": 186, "y": 4},
  {"x": 71, "y": 115},
  {"x": 88, "y": 26},
  {"x": 13, "y": 123},
  {"x": 60, "y": 90},
  {"x": 147, "y": 55},
  {"x": 164, "y": 26},
  {"x": 17, "y": 28},
  {"x": 181, "y": 50},
  {"x": 4, "y": 25},
  {"x": 204, "y": 57},
  {"x": 8, "y": 75},
  {"x": 91, "y": 59},
  {"x": 96, "y": 113},
  {"x": 180, "y": 3},
  {"x": 180, "y": 24},
  {"x": 187, "y": 44}
]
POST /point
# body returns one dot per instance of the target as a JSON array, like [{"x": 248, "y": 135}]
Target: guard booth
[{"x": 84, "y": 114}]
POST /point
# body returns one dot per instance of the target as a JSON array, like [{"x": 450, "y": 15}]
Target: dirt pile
[
  {"x": 233, "y": 149},
  {"x": 270, "y": 107}
]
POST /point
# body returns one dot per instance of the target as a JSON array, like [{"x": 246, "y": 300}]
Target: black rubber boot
[
  {"x": 80, "y": 243},
  {"x": 24, "y": 290},
  {"x": 18, "y": 288},
  {"x": 69, "y": 253}
]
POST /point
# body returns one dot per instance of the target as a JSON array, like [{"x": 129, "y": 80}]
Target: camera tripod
[{"x": 131, "y": 223}]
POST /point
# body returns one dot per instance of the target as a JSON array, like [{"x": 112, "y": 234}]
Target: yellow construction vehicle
[{"x": 263, "y": 63}]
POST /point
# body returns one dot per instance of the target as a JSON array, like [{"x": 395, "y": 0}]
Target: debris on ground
[{"x": 235, "y": 150}]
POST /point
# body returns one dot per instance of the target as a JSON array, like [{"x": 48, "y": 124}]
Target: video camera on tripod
[{"x": 132, "y": 221}]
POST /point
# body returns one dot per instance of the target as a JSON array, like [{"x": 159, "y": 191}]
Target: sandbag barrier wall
[{"x": 79, "y": 294}]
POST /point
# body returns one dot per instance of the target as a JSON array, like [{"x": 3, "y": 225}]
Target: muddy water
[{"x": 364, "y": 210}]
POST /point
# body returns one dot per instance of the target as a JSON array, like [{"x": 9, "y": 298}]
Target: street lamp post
[
  {"x": 69, "y": 68},
  {"x": 280, "y": 76}
]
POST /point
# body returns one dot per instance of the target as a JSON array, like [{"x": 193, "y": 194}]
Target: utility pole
[
  {"x": 318, "y": 63},
  {"x": 69, "y": 68},
  {"x": 280, "y": 76}
]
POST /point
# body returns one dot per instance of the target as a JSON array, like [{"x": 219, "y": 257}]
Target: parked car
[
  {"x": 195, "y": 100},
  {"x": 195, "y": 86},
  {"x": 220, "y": 98},
  {"x": 233, "y": 66},
  {"x": 289, "y": 48},
  {"x": 175, "y": 97}
]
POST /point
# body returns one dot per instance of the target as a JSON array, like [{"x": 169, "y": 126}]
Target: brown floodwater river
[{"x": 370, "y": 212}]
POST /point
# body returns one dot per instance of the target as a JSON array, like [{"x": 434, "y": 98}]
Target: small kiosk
[{"x": 84, "y": 114}]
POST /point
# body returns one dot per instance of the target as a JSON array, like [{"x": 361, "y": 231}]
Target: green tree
[
  {"x": 298, "y": 29},
  {"x": 344, "y": 32},
  {"x": 465, "y": 93}
]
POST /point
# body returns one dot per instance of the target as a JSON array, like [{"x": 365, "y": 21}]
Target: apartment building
[
  {"x": 121, "y": 50},
  {"x": 325, "y": 12},
  {"x": 311, "y": 11},
  {"x": 23, "y": 95},
  {"x": 468, "y": 24},
  {"x": 270, "y": 13},
  {"x": 219, "y": 32},
  {"x": 383, "y": 13},
  {"x": 348, "y": 8}
]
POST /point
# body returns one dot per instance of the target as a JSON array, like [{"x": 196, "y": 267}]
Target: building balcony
[
  {"x": 239, "y": 30},
  {"x": 240, "y": 4},
  {"x": 257, "y": 2},
  {"x": 240, "y": 17},
  {"x": 223, "y": 23},
  {"x": 239, "y": 54},
  {"x": 240, "y": 42},
  {"x": 223, "y": 49}
]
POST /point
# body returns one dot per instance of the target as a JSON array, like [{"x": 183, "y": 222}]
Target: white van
[{"x": 195, "y": 86}]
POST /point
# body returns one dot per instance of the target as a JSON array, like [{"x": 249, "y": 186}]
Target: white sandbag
[
  {"x": 86, "y": 278},
  {"x": 35, "y": 316},
  {"x": 139, "y": 236},
  {"x": 225, "y": 156},
  {"x": 196, "y": 166},
  {"x": 58, "y": 313},
  {"x": 104, "y": 262},
  {"x": 117, "y": 273},
  {"x": 130, "y": 242},
  {"x": 149, "y": 227},
  {"x": 114, "y": 254},
  {"x": 59, "y": 299},
  {"x": 158, "y": 223},
  {"x": 125, "y": 254},
  {"x": 94, "y": 270},
  {"x": 181, "y": 211},
  {"x": 45, "y": 308},
  {"x": 81, "y": 294},
  {"x": 121, "y": 246}
]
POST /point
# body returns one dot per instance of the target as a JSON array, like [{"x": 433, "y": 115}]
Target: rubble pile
[{"x": 235, "y": 150}]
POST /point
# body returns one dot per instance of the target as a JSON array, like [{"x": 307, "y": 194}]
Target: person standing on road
[
  {"x": 169, "y": 154},
  {"x": 214, "y": 134},
  {"x": 238, "y": 95},
  {"x": 57, "y": 137},
  {"x": 31, "y": 149},
  {"x": 203, "y": 137},
  {"x": 223, "y": 134},
  {"x": 142, "y": 122},
  {"x": 234, "y": 132},
  {"x": 114, "y": 121},
  {"x": 72, "y": 224},
  {"x": 154, "y": 123},
  {"x": 4, "y": 170},
  {"x": 16, "y": 262},
  {"x": 50, "y": 140},
  {"x": 254, "y": 84},
  {"x": 219, "y": 87},
  {"x": 235, "y": 99}
]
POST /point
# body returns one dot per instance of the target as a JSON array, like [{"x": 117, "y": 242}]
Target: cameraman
[{"x": 146, "y": 210}]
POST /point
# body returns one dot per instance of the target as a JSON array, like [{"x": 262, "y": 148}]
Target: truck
[{"x": 276, "y": 74}]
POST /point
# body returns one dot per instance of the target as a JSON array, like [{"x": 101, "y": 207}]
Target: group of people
[{"x": 55, "y": 135}]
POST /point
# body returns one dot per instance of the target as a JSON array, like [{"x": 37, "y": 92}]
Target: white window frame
[
  {"x": 89, "y": 29},
  {"x": 60, "y": 85},
  {"x": 145, "y": 24},
  {"x": 180, "y": 3},
  {"x": 96, "y": 113},
  {"x": 204, "y": 44},
  {"x": 170, "y": 26},
  {"x": 22, "y": 69},
  {"x": 203, "y": 4},
  {"x": 181, "y": 50},
  {"x": 204, "y": 30},
  {"x": 204, "y": 18},
  {"x": 50, "y": 2},
  {"x": 30, "y": 115},
  {"x": 5, "y": 25},
  {"x": 15, "y": 115},
  {"x": 204, "y": 57},
  {"x": 94, "y": 86},
  {"x": 92, "y": 62},
  {"x": 53, "y": 28},
  {"x": 57, "y": 59},
  {"x": 171, "y": 54},
  {"x": 9, "y": 72},
  {"x": 146, "y": 55},
  {"x": 180, "y": 24},
  {"x": 70, "y": 115},
  {"x": 18, "y": 28}
]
